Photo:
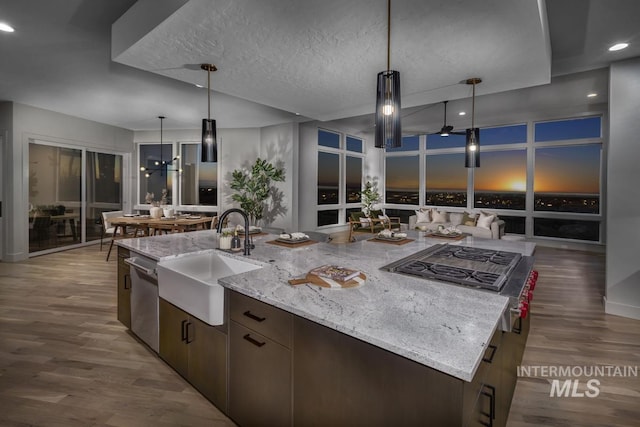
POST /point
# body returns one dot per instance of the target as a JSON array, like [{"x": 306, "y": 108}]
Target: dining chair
[{"x": 107, "y": 228}]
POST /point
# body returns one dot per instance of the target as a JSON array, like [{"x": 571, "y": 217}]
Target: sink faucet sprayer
[{"x": 247, "y": 242}]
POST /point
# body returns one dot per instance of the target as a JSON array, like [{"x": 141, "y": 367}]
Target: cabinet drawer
[
  {"x": 269, "y": 321},
  {"x": 259, "y": 379}
]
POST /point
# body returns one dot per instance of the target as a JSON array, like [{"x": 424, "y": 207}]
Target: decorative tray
[
  {"x": 130, "y": 215},
  {"x": 293, "y": 241},
  {"x": 168, "y": 218},
  {"x": 444, "y": 236},
  {"x": 193, "y": 217},
  {"x": 393, "y": 238}
]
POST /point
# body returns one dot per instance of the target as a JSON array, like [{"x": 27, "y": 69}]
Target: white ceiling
[{"x": 318, "y": 58}]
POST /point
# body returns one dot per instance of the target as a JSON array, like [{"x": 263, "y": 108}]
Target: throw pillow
[
  {"x": 384, "y": 218},
  {"x": 423, "y": 216},
  {"x": 456, "y": 218},
  {"x": 440, "y": 217},
  {"x": 469, "y": 219},
  {"x": 364, "y": 222},
  {"x": 484, "y": 221}
]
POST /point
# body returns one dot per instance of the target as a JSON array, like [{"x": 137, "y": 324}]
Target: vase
[
  {"x": 168, "y": 212},
  {"x": 155, "y": 212}
]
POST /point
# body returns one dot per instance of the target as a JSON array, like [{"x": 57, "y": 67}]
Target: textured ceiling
[{"x": 318, "y": 58}]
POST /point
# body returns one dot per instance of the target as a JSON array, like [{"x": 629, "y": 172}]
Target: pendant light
[
  {"x": 209, "y": 151},
  {"x": 472, "y": 146},
  {"x": 388, "y": 131},
  {"x": 162, "y": 165}
]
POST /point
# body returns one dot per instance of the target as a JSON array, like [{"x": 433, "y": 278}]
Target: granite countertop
[{"x": 443, "y": 326}]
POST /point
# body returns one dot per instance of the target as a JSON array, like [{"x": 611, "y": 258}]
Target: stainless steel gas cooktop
[{"x": 464, "y": 265}]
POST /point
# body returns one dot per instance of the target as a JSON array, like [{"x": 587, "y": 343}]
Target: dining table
[{"x": 143, "y": 225}]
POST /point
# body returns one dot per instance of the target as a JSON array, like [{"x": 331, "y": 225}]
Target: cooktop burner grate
[{"x": 477, "y": 267}]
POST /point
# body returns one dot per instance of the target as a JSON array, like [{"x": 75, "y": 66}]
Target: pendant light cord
[
  {"x": 473, "y": 106},
  {"x": 209, "y": 93},
  {"x": 388, "y": 35}
]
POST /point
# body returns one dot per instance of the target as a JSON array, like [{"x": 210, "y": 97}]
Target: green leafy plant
[
  {"x": 369, "y": 197},
  {"x": 253, "y": 187}
]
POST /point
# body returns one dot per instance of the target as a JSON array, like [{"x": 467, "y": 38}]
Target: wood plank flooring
[
  {"x": 569, "y": 328},
  {"x": 66, "y": 361}
]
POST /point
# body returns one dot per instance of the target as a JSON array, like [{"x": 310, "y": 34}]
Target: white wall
[
  {"x": 279, "y": 146},
  {"x": 623, "y": 191},
  {"x": 27, "y": 123},
  {"x": 239, "y": 148}
]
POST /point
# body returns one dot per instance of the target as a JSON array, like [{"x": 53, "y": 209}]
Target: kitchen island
[{"x": 440, "y": 328}]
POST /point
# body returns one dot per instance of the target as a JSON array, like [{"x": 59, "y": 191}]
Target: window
[
  {"x": 409, "y": 143},
  {"x": 328, "y": 178},
  {"x": 560, "y": 160},
  {"x": 354, "y": 144},
  {"x": 328, "y": 139},
  {"x": 353, "y": 181},
  {"x": 435, "y": 141},
  {"x": 567, "y": 228},
  {"x": 160, "y": 176},
  {"x": 446, "y": 180},
  {"x": 567, "y": 179},
  {"x": 339, "y": 179},
  {"x": 328, "y": 217},
  {"x": 198, "y": 181},
  {"x": 501, "y": 181},
  {"x": 503, "y": 135},
  {"x": 568, "y": 129},
  {"x": 402, "y": 180}
]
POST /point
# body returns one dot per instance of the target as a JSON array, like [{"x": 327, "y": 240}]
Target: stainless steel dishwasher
[{"x": 144, "y": 300}]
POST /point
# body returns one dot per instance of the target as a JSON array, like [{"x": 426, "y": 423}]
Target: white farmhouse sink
[{"x": 191, "y": 282}]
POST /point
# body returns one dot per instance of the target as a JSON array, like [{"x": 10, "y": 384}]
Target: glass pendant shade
[
  {"x": 388, "y": 128},
  {"x": 472, "y": 149},
  {"x": 209, "y": 151},
  {"x": 209, "y": 141}
]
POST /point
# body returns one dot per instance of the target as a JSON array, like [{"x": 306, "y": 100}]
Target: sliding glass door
[{"x": 68, "y": 189}]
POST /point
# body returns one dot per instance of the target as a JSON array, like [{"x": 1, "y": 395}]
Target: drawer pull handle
[
  {"x": 250, "y": 315},
  {"x": 127, "y": 279},
  {"x": 253, "y": 341},
  {"x": 183, "y": 330},
  {"x": 187, "y": 340},
  {"x": 493, "y": 353}
]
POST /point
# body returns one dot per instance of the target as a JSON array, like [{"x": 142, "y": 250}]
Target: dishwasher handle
[{"x": 144, "y": 266}]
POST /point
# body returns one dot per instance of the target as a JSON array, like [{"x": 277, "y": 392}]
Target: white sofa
[{"x": 485, "y": 226}]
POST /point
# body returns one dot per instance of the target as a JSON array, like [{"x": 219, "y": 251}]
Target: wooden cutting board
[{"x": 325, "y": 282}]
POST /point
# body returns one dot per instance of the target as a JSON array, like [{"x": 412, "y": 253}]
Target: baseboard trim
[{"x": 619, "y": 309}]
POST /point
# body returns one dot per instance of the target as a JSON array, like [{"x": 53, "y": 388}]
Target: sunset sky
[{"x": 574, "y": 169}]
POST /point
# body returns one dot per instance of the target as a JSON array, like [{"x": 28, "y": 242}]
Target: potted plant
[
  {"x": 369, "y": 197},
  {"x": 253, "y": 187}
]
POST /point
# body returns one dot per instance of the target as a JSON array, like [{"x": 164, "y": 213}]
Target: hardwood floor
[
  {"x": 66, "y": 361},
  {"x": 569, "y": 328}
]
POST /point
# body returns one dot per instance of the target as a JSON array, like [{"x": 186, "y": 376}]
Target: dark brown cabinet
[
  {"x": 342, "y": 381},
  {"x": 124, "y": 288},
  {"x": 196, "y": 350},
  {"x": 259, "y": 363}
]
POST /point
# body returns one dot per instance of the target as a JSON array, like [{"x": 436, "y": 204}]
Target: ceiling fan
[{"x": 446, "y": 129}]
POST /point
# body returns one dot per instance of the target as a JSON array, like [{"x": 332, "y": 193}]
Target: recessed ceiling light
[
  {"x": 199, "y": 86},
  {"x": 618, "y": 46},
  {"x": 6, "y": 27},
  {"x": 462, "y": 113},
  {"x": 592, "y": 95}
]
